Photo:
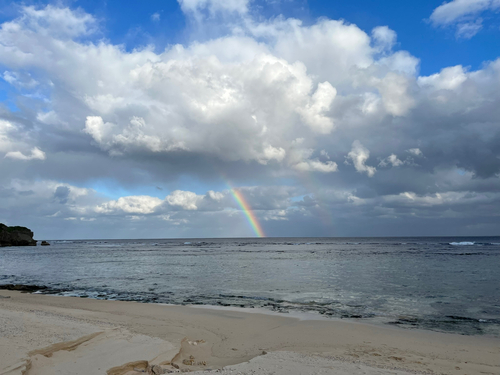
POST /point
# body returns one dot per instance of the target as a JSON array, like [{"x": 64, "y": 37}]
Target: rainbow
[{"x": 254, "y": 223}]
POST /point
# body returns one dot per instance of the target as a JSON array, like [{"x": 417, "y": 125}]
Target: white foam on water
[{"x": 465, "y": 243}]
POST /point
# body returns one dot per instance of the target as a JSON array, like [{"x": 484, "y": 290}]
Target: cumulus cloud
[
  {"x": 449, "y": 78},
  {"x": 268, "y": 102},
  {"x": 358, "y": 155},
  {"x": 178, "y": 201},
  {"x": 56, "y": 21},
  {"x": 395, "y": 91},
  {"x": 184, "y": 199},
  {"x": 232, "y": 98},
  {"x": 314, "y": 113},
  {"x": 130, "y": 138},
  {"x": 131, "y": 205},
  {"x": 384, "y": 38},
  {"x": 254, "y": 103}
]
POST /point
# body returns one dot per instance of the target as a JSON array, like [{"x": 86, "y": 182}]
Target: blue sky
[
  {"x": 435, "y": 47},
  {"x": 332, "y": 117},
  {"x": 130, "y": 23}
]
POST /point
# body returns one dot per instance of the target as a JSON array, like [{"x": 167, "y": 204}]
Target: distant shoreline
[{"x": 259, "y": 238}]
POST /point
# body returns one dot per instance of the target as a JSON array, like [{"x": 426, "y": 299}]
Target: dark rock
[
  {"x": 154, "y": 370},
  {"x": 16, "y": 236},
  {"x": 45, "y": 243},
  {"x": 23, "y": 288}
]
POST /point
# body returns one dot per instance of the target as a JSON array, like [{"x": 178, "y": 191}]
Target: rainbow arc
[{"x": 247, "y": 210}]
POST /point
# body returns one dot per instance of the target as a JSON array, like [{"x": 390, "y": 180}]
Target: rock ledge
[{"x": 16, "y": 236}]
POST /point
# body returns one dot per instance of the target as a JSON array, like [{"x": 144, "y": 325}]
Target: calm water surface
[{"x": 444, "y": 284}]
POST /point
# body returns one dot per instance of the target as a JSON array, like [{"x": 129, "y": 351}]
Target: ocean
[{"x": 445, "y": 284}]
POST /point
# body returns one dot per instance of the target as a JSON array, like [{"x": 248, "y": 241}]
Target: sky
[{"x": 244, "y": 118}]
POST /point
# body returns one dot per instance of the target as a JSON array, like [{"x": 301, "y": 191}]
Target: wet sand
[{"x": 65, "y": 335}]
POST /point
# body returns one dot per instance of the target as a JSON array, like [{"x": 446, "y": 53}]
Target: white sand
[
  {"x": 42, "y": 335},
  {"x": 285, "y": 363}
]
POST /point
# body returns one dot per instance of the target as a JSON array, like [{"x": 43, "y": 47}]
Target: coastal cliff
[{"x": 16, "y": 236}]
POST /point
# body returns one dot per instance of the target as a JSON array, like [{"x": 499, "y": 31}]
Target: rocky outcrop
[
  {"x": 16, "y": 236},
  {"x": 45, "y": 243},
  {"x": 23, "y": 288}
]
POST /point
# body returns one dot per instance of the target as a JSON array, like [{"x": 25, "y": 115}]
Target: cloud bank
[{"x": 326, "y": 127}]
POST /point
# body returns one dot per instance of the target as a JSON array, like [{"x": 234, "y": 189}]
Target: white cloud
[
  {"x": 464, "y": 14},
  {"x": 383, "y": 38},
  {"x": 358, "y": 156},
  {"x": 95, "y": 126},
  {"x": 272, "y": 153},
  {"x": 300, "y": 159},
  {"x": 215, "y": 195},
  {"x": 467, "y": 30},
  {"x": 415, "y": 151},
  {"x": 258, "y": 101},
  {"x": 449, "y": 78},
  {"x": 155, "y": 17},
  {"x": 392, "y": 160},
  {"x": 36, "y": 154},
  {"x": 20, "y": 80},
  {"x": 57, "y": 21},
  {"x": 276, "y": 215},
  {"x": 184, "y": 199},
  {"x": 452, "y": 11},
  {"x": 179, "y": 201},
  {"x": 412, "y": 199},
  {"x": 331, "y": 50},
  {"x": 5, "y": 128},
  {"x": 141, "y": 204},
  {"x": 396, "y": 95},
  {"x": 235, "y": 98},
  {"x": 314, "y": 113},
  {"x": 214, "y": 6},
  {"x": 316, "y": 165},
  {"x": 400, "y": 62},
  {"x": 264, "y": 101},
  {"x": 131, "y": 138}
]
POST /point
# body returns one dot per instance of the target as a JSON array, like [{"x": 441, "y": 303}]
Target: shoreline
[
  {"x": 285, "y": 308},
  {"x": 220, "y": 337}
]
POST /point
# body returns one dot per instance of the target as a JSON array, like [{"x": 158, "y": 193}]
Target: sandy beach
[{"x": 42, "y": 334}]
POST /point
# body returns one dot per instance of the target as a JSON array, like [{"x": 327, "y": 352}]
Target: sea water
[{"x": 443, "y": 284}]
